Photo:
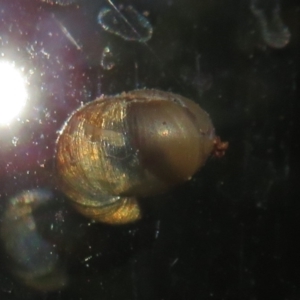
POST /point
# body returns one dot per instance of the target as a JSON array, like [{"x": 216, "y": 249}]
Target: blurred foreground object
[{"x": 33, "y": 260}]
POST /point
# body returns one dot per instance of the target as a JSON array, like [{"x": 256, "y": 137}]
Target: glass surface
[{"x": 230, "y": 232}]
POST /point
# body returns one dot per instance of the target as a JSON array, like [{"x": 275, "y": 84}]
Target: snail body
[
  {"x": 31, "y": 258},
  {"x": 134, "y": 144}
]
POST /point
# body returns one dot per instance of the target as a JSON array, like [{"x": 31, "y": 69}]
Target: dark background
[{"x": 232, "y": 232}]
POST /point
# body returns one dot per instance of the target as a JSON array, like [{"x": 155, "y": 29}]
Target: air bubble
[
  {"x": 274, "y": 32},
  {"x": 126, "y": 22}
]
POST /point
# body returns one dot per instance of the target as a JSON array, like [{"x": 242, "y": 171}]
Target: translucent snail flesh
[
  {"x": 134, "y": 144},
  {"x": 31, "y": 258}
]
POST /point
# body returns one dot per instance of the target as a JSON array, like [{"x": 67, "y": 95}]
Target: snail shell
[{"x": 135, "y": 144}]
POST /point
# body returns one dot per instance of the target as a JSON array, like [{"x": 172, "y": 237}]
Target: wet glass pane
[{"x": 148, "y": 149}]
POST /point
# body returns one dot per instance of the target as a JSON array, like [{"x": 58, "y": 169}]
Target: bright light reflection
[{"x": 13, "y": 93}]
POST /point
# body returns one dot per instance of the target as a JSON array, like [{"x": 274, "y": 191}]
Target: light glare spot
[{"x": 13, "y": 93}]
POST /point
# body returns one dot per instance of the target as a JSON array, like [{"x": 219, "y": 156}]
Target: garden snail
[{"x": 135, "y": 144}]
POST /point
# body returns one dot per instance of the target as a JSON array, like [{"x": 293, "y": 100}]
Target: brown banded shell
[{"x": 135, "y": 144}]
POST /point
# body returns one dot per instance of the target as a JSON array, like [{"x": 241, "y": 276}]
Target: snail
[
  {"x": 136, "y": 144},
  {"x": 32, "y": 259}
]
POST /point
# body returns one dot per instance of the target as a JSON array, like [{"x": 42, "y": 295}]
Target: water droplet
[
  {"x": 126, "y": 22},
  {"x": 274, "y": 32},
  {"x": 107, "y": 59}
]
